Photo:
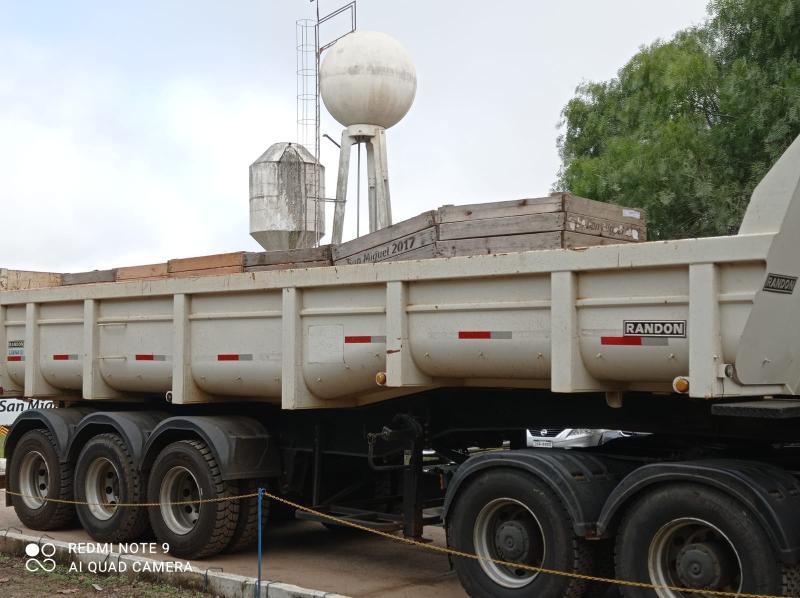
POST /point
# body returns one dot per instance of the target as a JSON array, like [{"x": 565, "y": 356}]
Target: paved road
[{"x": 306, "y": 554}]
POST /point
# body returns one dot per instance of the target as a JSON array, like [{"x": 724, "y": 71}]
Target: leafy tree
[{"x": 690, "y": 125}]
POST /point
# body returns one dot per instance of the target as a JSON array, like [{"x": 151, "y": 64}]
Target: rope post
[{"x": 258, "y": 581}]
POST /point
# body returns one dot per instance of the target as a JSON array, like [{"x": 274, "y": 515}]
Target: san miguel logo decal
[{"x": 777, "y": 283}]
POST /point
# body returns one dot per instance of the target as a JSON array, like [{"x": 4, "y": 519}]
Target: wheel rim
[
  {"x": 180, "y": 486},
  {"x": 694, "y": 554},
  {"x": 507, "y": 530},
  {"x": 34, "y": 479},
  {"x": 102, "y": 488}
]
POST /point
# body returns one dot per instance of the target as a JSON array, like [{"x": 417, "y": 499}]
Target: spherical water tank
[
  {"x": 284, "y": 182},
  {"x": 368, "y": 78}
]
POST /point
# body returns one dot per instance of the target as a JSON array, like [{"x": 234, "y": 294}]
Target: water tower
[{"x": 368, "y": 83}]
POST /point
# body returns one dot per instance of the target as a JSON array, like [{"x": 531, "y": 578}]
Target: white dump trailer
[{"x": 326, "y": 384}]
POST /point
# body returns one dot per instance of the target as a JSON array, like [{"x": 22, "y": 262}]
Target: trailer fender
[
  {"x": 242, "y": 446},
  {"x": 581, "y": 481},
  {"x": 133, "y": 427},
  {"x": 60, "y": 422},
  {"x": 771, "y": 494}
]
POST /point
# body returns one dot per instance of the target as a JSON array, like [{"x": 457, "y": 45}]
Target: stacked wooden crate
[{"x": 560, "y": 220}]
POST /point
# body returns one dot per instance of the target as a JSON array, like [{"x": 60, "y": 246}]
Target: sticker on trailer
[
  {"x": 11, "y": 408},
  {"x": 779, "y": 283},
  {"x": 655, "y": 328},
  {"x": 646, "y": 333},
  {"x": 16, "y": 351}
]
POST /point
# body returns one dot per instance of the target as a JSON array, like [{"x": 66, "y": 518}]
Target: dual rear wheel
[{"x": 681, "y": 536}]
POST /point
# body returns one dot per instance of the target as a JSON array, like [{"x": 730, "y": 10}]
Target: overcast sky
[{"x": 127, "y": 129}]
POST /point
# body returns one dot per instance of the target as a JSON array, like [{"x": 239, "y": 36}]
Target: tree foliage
[{"x": 690, "y": 125}]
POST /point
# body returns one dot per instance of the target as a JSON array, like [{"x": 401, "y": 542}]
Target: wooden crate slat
[
  {"x": 385, "y": 235},
  {"x": 392, "y": 247},
  {"x": 507, "y": 225},
  {"x": 288, "y": 266},
  {"x": 206, "y": 262},
  {"x": 499, "y": 209},
  {"x": 92, "y": 277},
  {"x": 600, "y": 209},
  {"x": 207, "y": 272},
  {"x": 147, "y": 271},
  {"x": 291, "y": 256},
  {"x": 579, "y": 240},
  {"x": 601, "y": 227},
  {"x": 501, "y": 244}
]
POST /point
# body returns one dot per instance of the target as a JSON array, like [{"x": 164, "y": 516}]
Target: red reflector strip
[
  {"x": 486, "y": 334},
  {"x": 65, "y": 357},
  {"x": 364, "y": 339},
  {"x": 469, "y": 334},
  {"x": 14, "y": 358},
  {"x": 630, "y": 341},
  {"x": 235, "y": 357},
  {"x": 145, "y": 357}
]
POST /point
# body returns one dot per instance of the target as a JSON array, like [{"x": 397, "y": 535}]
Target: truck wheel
[
  {"x": 510, "y": 516},
  {"x": 36, "y": 473},
  {"x": 246, "y": 533},
  {"x": 105, "y": 476},
  {"x": 692, "y": 536},
  {"x": 186, "y": 471}
]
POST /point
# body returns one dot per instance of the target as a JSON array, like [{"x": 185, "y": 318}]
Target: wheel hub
[
  {"x": 513, "y": 540},
  {"x": 507, "y": 530},
  {"x": 703, "y": 565}
]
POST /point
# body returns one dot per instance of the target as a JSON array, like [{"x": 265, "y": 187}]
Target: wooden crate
[
  {"x": 206, "y": 265},
  {"x": 389, "y": 243},
  {"x": 146, "y": 272},
  {"x": 556, "y": 202},
  {"x": 22, "y": 280},
  {"x": 558, "y": 212},
  {"x": 313, "y": 257},
  {"x": 93, "y": 277}
]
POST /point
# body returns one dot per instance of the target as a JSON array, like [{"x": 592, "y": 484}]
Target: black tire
[
  {"x": 209, "y": 528},
  {"x": 107, "y": 456},
  {"x": 245, "y": 535},
  {"x": 563, "y": 551},
  {"x": 39, "y": 446},
  {"x": 650, "y": 521}
]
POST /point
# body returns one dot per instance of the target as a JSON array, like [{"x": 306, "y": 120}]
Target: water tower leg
[
  {"x": 372, "y": 181},
  {"x": 383, "y": 201},
  {"x": 341, "y": 188}
]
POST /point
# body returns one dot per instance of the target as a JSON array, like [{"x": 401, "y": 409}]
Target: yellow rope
[
  {"x": 134, "y": 504},
  {"x": 417, "y": 543}
]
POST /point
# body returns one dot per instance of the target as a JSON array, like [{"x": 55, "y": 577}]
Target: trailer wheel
[
  {"x": 36, "y": 473},
  {"x": 184, "y": 472},
  {"x": 105, "y": 476},
  {"x": 692, "y": 536},
  {"x": 511, "y": 516}
]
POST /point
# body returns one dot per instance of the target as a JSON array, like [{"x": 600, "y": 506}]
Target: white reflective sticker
[
  {"x": 628, "y": 213},
  {"x": 325, "y": 344}
]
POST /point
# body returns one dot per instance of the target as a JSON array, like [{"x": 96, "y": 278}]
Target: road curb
[{"x": 212, "y": 580}]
